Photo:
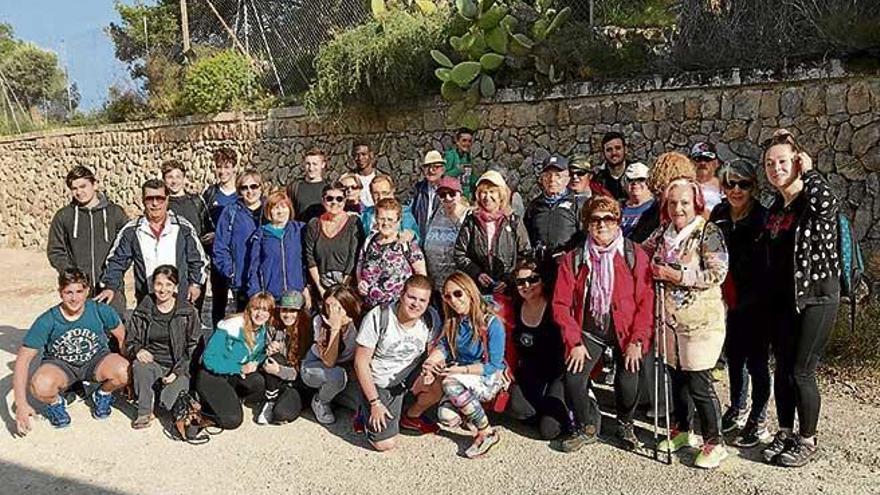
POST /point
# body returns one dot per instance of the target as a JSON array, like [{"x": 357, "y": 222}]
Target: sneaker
[
  {"x": 710, "y": 456},
  {"x": 677, "y": 441},
  {"x": 752, "y": 434},
  {"x": 798, "y": 455},
  {"x": 418, "y": 424},
  {"x": 781, "y": 442},
  {"x": 102, "y": 403},
  {"x": 57, "y": 414},
  {"x": 142, "y": 422},
  {"x": 627, "y": 434},
  {"x": 359, "y": 424},
  {"x": 482, "y": 444},
  {"x": 577, "y": 439},
  {"x": 265, "y": 415},
  {"x": 733, "y": 419},
  {"x": 323, "y": 412}
]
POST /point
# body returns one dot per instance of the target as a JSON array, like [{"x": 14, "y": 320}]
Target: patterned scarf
[
  {"x": 602, "y": 279},
  {"x": 674, "y": 242}
]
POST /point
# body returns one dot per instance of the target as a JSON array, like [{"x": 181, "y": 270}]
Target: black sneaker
[
  {"x": 752, "y": 434},
  {"x": 781, "y": 442},
  {"x": 578, "y": 438},
  {"x": 734, "y": 418},
  {"x": 799, "y": 454},
  {"x": 627, "y": 434}
]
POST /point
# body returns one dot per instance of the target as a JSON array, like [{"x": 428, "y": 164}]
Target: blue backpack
[{"x": 852, "y": 265}]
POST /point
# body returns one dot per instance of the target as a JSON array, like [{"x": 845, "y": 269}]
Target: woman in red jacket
[{"x": 603, "y": 298}]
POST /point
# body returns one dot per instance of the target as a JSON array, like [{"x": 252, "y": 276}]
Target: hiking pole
[
  {"x": 657, "y": 324},
  {"x": 665, "y": 374}
]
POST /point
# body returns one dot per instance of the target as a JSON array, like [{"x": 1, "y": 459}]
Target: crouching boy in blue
[{"x": 73, "y": 339}]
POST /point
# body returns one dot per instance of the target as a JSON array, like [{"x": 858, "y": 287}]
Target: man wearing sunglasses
[
  {"x": 581, "y": 181},
  {"x": 706, "y": 160},
  {"x": 425, "y": 201},
  {"x": 551, "y": 218},
  {"x": 158, "y": 237}
]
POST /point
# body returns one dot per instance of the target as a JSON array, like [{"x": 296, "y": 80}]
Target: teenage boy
[
  {"x": 392, "y": 342},
  {"x": 82, "y": 232},
  {"x": 305, "y": 194},
  {"x": 459, "y": 162},
  {"x": 73, "y": 339},
  {"x": 186, "y": 205},
  {"x": 217, "y": 197}
]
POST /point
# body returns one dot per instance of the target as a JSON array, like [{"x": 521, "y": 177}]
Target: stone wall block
[
  {"x": 858, "y": 98},
  {"x": 790, "y": 102},
  {"x": 865, "y": 138},
  {"x": 769, "y": 107}
]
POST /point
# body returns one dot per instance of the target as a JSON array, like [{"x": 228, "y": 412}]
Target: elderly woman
[
  {"x": 442, "y": 231},
  {"x": 669, "y": 166},
  {"x": 385, "y": 263},
  {"x": 332, "y": 241},
  {"x": 690, "y": 262},
  {"x": 742, "y": 220},
  {"x": 603, "y": 299},
  {"x": 804, "y": 291},
  {"x": 492, "y": 238}
]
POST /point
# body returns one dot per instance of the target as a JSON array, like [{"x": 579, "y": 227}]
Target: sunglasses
[
  {"x": 530, "y": 280},
  {"x": 434, "y": 165},
  {"x": 456, "y": 294},
  {"x": 578, "y": 172},
  {"x": 154, "y": 199},
  {"x": 337, "y": 199},
  {"x": 607, "y": 219},
  {"x": 447, "y": 195},
  {"x": 640, "y": 180},
  {"x": 744, "y": 185},
  {"x": 352, "y": 188},
  {"x": 781, "y": 138},
  {"x": 252, "y": 187}
]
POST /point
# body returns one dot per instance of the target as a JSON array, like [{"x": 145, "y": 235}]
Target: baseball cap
[
  {"x": 432, "y": 157},
  {"x": 637, "y": 170},
  {"x": 449, "y": 183},
  {"x": 493, "y": 177},
  {"x": 554, "y": 161},
  {"x": 704, "y": 150},
  {"x": 293, "y": 299},
  {"x": 740, "y": 168},
  {"x": 580, "y": 162}
]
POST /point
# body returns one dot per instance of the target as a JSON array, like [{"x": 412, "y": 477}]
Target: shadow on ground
[{"x": 19, "y": 479}]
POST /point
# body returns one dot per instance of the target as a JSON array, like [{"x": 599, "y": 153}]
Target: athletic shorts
[
  {"x": 392, "y": 397},
  {"x": 75, "y": 373}
]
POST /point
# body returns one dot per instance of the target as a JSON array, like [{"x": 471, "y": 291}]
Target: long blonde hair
[
  {"x": 479, "y": 313},
  {"x": 260, "y": 300}
]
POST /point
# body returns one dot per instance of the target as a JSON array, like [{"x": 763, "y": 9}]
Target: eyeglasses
[
  {"x": 337, "y": 199},
  {"x": 606, "y": 219},
  {"x": 252, "y": 187},
  {"x": 576, "y": 172},
  {"x": 155, "y": 199},
  {"x": 530, "y": 280},
  {"x": 447, "y": 195},
  {"x": 744, "y": 185},
  {"x": 456, "y": 294},
  {"x": 640, "y": 180},
  {"x": 434, "y": 165}
]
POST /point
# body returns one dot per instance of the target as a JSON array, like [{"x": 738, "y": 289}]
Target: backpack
[
  {"x": 852, "y": 264},
  {"x": 430, "y": 317}
]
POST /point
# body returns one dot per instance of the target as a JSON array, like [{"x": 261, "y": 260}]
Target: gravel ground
[{"x": 108, "y": 457}]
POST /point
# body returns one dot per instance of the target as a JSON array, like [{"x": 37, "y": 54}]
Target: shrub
[
  {"x": 221, "y": 82},
  {"x": 858, "y": 347},
  {"x": 378, "y": 63}
]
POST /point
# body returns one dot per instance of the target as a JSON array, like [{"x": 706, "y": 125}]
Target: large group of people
[{"x": 457, "y": 306}]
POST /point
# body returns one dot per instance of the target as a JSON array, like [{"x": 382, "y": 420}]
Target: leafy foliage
[{"x": 225, "y": 81}]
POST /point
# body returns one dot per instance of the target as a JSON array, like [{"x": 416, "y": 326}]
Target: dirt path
[{"x": 304, "y": 457}]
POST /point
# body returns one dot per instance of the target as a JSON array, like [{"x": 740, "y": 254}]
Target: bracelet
[{"x": 373, "y": 401}]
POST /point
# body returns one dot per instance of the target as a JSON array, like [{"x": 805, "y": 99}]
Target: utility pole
[{"x": 184, "y": 26}]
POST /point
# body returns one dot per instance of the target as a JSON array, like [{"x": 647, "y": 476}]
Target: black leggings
[
  {"x": 541, "y": 401},
  {"x": 626, "y": 388},
  {"x": 748, "y": 356},
  {"x": 696, "y": 386},
  {"x": 222, "y": 395},
  {"x": 285, "y": 394},
  {"x": 798, "y": 342}
]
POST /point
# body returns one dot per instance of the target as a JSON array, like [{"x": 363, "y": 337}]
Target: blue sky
[{"x": 74, "y": 29}]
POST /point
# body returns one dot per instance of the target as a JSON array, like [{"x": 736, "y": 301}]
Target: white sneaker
[
  {"x": 323, "y": 412},
  {"x": 265, "y": 416}
]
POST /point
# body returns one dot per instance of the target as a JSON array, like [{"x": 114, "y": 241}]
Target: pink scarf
[
  {"x": 489, "y": 222},
  {"x": 602, "y": 275}
]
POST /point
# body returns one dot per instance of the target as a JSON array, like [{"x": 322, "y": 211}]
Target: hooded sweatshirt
[{"x": 81, "y": 237}]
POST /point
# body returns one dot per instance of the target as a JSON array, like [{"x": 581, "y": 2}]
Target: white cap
[{"x": 637, "y": 170}]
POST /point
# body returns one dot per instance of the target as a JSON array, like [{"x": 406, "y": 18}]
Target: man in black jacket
[
  {"x": 83, "y": 231},
  {"x": 611, "y": 176},
  {"x": 551, "y": 219}
]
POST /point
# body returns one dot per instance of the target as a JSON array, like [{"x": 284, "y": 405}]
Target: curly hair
[
  {"x": 599, "y": 203},
  {"x": 668, "y": 167}
]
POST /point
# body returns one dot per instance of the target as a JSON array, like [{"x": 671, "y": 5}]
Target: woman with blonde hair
[
  {"x": 470, "y": 361},
  {"x": 230, "y": 364}
]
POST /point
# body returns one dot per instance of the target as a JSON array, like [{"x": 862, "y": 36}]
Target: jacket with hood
[
  {"x": 226, "y": 350},
  {"x": 232, "y": 245},
  {"x": 474, "y": 256},
  {"x": 176, "y": 245},
  {"x": 185, "y": 329},
  {"x": 276, "y": 260},
  {"x": 81, "y": 237}
]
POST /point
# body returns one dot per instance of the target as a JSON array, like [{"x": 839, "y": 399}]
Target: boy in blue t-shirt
[{"x": 73, "y": 340}]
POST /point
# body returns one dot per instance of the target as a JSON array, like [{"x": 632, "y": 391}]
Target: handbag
[{"x": 189, "y": 423}]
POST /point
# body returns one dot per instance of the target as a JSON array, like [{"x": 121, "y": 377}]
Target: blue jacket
[
  {"x": 407, "y": 222},
  {"x": 226, "y": 350},
  {"x": 276, "y": 263},
  {"x": 419, "y": 206},
  {"x": 232, "y": 243},
  {"x": 469, "y": 352}
]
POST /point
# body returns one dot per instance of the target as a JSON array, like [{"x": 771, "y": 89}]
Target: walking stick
[
  {"x": 660, "y": 369},
  {"x": 666, "y": 384}
]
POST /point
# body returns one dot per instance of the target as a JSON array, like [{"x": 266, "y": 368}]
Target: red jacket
[{"x": 632, "y": 300}]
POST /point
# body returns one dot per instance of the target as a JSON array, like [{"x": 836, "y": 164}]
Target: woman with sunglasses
[
  {"x": 804, "y": 291},
  {"x": 690, "y": 261},
  {"x": 537, "y": 396},
  {"x": 442, "y": 231},
  {"x": 230, "y": 365},
  {"x": 385, "y": 262},
  {"x": 332, "y": 242},
  {"x": 491, "y": 238},
  {"x": 351, "y": 186},
  {"x": 238, "y": 222},
  {"x": 603, "y": 299},
  {"x": 742, "y": 220},
  {"x": 639, "y": 199},
  {"x": 469, "y": 360}
]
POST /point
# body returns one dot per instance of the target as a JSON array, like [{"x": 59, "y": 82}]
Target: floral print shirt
[{"x": 383, "y": 269}]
